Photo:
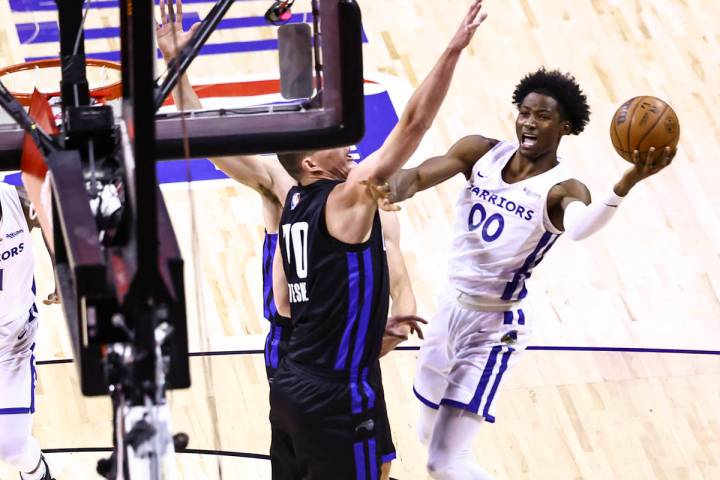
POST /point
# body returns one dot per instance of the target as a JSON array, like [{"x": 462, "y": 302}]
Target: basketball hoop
[{"x": 44, "y": 75}]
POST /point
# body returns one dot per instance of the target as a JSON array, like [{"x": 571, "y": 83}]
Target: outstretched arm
[
  {"x": 459, "y": 159},
  {"x": 265, "y": 176},
  {"x": 569, "y": 203},
  {"x": 350, "y": 207},
  {"x": 171, "y": 40},
  {"x": 423, "y": 106}
]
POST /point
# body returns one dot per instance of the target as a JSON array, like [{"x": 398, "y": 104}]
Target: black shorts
[
  {"x": 276, "y": 344},
  {"x": 326, "y": 427}
]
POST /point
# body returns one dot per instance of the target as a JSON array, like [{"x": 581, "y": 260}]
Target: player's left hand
[
  {"x": 171, "y": 38},
  {"x": 398, "y": 329},
  {"x": 380, "y": 192},
  {"x": 52, "y": 299},
  {"x": 653, "y": 162},
  {"x": 644, "y": 166},
  {"x": 470, "y": 23}
]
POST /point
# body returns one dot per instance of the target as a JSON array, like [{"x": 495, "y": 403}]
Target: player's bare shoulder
[
  {"x": 478, "y": 143},
  {"x": 470, "y": 149}
]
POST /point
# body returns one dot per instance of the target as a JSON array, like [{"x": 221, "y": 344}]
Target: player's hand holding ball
[{"x": 645, "y": 131}]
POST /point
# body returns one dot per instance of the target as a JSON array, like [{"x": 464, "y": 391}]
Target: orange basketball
[{"x": 641, "y": 123}]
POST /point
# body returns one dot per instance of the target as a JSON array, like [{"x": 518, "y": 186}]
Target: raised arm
[
  {"x": 422, "y": 108},
  {"x": 571, "y": 208},
  {"x": 351, "y": 206},
  {"x": 265, "y": 176},
  {"x": 171, "y": 39},
  {"x": 459, "y": 159}
]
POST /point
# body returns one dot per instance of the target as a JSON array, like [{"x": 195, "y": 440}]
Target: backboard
[{"x": 333, "y": 117}]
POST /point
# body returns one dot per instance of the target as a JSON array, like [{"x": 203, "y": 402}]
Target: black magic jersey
[{"x": 339, "y": 293}]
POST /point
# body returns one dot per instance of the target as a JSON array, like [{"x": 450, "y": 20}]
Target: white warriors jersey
[
  {"x": 17, "y": 264},
  {"x": 502, "y": 231}
]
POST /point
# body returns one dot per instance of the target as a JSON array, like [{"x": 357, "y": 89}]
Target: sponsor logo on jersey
[
  {"x": 530, "y": 193},
  {"x": 294, "y": 200},
  {"x": 14, "y": 234},
  {"x": 8, "y": 254}
]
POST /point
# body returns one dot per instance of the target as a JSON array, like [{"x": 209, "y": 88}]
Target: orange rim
[{"x": 108, "y": 92}]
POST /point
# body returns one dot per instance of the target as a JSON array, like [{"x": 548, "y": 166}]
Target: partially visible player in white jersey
[
  {"x": 518, "y": 200},
  {"x": 18, "y": 325}
]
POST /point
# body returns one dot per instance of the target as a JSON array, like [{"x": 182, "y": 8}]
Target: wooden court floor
[{"x": 633, "y": 389}]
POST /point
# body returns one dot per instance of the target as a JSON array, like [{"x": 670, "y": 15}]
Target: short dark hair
[
  {"x": 291, "y": 162},
  {"x": 563, "y": 88}
]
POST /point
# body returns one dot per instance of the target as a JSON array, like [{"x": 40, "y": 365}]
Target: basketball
[{"x": 641, "y": 123}]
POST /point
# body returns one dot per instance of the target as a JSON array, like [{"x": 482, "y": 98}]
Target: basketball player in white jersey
[
  {"x": 267, "y": 177},
  {"x": 518, "y": 199},
  {"x": 18, "y": 325}
]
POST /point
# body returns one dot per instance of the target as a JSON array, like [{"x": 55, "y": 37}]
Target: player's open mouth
[{"x": 528, "y": 140}]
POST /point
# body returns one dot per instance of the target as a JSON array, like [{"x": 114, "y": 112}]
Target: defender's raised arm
[
  {"x": 351, "y": 206},
  {"x": 423, "y": 106}
]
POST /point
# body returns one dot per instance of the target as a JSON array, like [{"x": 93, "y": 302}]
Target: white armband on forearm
[{"x": 582, "y": 220}]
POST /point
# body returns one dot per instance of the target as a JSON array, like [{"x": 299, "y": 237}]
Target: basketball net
[{"x": 34, "y": 169}]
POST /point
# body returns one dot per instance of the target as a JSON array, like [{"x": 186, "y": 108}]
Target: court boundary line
[
  {"x": 194, "y": 451},
  {"x": 198, "y": 451},
  {"x": 546, "y": 348}
]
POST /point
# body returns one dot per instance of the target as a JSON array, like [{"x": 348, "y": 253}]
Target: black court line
[
  {"x": 627, "y": 349},
  {"x": 220, "y": 453},
  {"x": 546, "y": 348}
]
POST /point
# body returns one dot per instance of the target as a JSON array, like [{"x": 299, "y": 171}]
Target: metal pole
[
  {"x": 140, "y": 116},
  {"x": 74, "y": 84}
]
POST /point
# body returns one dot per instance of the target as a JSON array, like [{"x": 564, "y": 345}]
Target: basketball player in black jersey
[
  {"x": 272, "y": 182},
  {"x": 332, "y": 277}
]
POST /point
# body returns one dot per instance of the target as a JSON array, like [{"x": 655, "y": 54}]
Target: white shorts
[
  {"x": 17, "y": 365},
  {"x": 466, "y": 355}
]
